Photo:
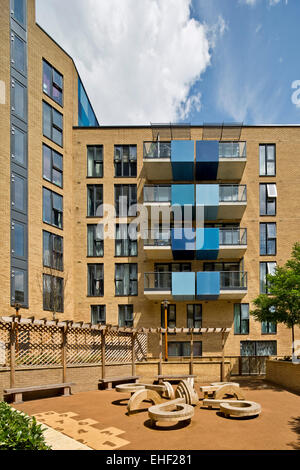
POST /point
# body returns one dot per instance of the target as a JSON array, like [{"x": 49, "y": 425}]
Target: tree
[{"x": 282, "y": 303}]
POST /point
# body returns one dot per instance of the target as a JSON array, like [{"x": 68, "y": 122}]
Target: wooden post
[
  {"x": 103, "y": 353},
  {"x": 160, "y": 355},
  {"x": 64, "y": 353},
  {"x": 223, "y": 359},
  {"x": 133, "y": 354},
  {"x": 192, "y": 355},
  {"x": 12, "y": 341}
]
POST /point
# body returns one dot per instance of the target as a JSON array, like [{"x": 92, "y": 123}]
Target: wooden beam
[
  {"x": 223, "y": 359},
  {"x": 160, "y": 354},
  {"x": 64, "y": 353},
  {"x": 192, "y": 355},
  {"x": 103, "y": 353},
  {"x": 12, "y": 344},
  {"x": 133, "y": 354}
]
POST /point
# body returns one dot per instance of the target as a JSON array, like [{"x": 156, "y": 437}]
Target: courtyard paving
[{"x": 98, "y": 419}]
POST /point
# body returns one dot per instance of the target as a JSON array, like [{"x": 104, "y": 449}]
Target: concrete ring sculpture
[
  {"x": 240, "y": 409},
  {"x": 131, "y": 388},
  {"x": 172, "y": 411},
  {"x": 219, "y": 384}
]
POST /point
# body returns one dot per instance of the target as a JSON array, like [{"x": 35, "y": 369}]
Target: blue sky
[
  {"x": 254, "y": 62},
  {"x": 182, "y": 60}
]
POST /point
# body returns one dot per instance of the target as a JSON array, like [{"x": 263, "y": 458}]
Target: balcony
[
  {"x": 232, "y": 243},
  {"x": 232, "y": 160},
  {"x": 157, "y": 161},
  {"x": 227, "y": 285},
  {"x": 232, "y": 201},
  {"x": 157, "y": 245}
]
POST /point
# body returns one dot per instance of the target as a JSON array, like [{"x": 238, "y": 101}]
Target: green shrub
[{"x": 19, "y": 431}]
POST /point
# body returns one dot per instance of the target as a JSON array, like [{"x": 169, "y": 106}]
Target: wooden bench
[
  {"x": 18, "y": 392},
  {"x": 163, "y": 378},
  {"x": 108, "y": 383}
]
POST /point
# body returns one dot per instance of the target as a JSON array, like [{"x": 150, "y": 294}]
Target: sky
[{"x": 195, "y": 61}]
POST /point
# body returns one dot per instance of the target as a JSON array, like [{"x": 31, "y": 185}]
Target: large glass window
[
  {"x": 52, "y": 124},
  {"x": 183, "y": 349},
  {"x": 268, "y": 328},
  {"x": 126, "y": 279},
  {"x": 267, "y": 160},
  {"x": 18, "y": 193},
  {"x": 52, "y": 83},
  {"x": 126, "y": 315},
  {"x": 125, "y": 197},
  {"x": 18, "y": 11},
  {"x": 18, "y": 53},
  {"x": 268, "y": 196},
  {"x": 98, "y": 314},
  {"x": 53, "y": 251},
  {"x": 194, "y": 316},
  {"x": 53, "y": 293},
  {"x": 18, "y": 286},
  {"x": 258, "y": 348},
  {"x": 18, "y": 240},
  {"x": 52, "y": 208},
  {"x": 95, "y": 200},
  {"x": 95, "y": 242},
  {"x": 268, "y": 239},
  {"x": 95, "y": 161},
  {"x": 18, "y": 99},
  {"x": 266, "y": 268},
  {"x": 52, "y": 166},
  {"x": 18, "y": 146},
  {"x": 95, "y": 280},
  {"x": 171, "y": 316},
  {"x": 125, "y": 161},
  {"x": 126, "y": 240},
  {"x": 241, "y": 319}
]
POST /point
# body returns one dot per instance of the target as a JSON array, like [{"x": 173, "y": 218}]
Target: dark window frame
[
  {"x": 171, "y": 315},
  {"x": 54, "y": 84},
  {"x": 242, "y": 321},
  {"x": 128, "y": 315},
  {"x": 53, "y": 167},
  {"x": 266, "y": 145},
  {"x": 266, "y": 201},
  {"x": 131, "y": 282},
  {"x": 96, "y": 240},
  {"x": 263, "y": 237},
  {"x": 181, "y": 343},
  {"x": 53, "y": 210},
  {"x": 100, "y": 312},
  {"x": 268, "y": 326},
  {"x": 47, "y": 307},
  {"x": 23, "y": 303},
  {"x": 12, "y": 13},
  {"x": 120, "y": 161},
  {"x": 56, "y": 255},
  {"x": 131, "y": 199},
  {"x": 13, "y": 55},
  {"x": 264, "y": 281},
  {"x": 95, "y": 161},
  {"x": 53, "y": 125},
  {"x": 94, "y": 203},
  {"x": 195, "y": 317},
  {"x": 131, "y": 243},
  {"x": 93, "y": 290}
]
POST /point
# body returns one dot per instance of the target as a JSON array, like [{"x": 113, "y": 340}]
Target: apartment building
[{"x": 62, "y": 173}]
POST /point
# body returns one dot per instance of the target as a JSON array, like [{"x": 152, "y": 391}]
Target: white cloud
[{"x": 137, "y": 59}]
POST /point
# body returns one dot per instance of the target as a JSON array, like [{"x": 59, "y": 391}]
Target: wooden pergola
[{"x": 15, "y": 320}]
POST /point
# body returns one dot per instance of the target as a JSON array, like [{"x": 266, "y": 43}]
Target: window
[
  {"x": 241, "y": 319},
  {"x": 194, "y": 316},
  {"x": 125, "y": 197},
  {"x": 52, "y": 208},
  {"x": 95, "y": 200},
  {"x": 126, "y": 240},
  {"x": 52, "y": 124},
  {"x": 52, "y": 166},
  {"x": 18, "y": 146},
  {"x": 268, "y": 328},
  {"x": 18, "y": 247},
  {"x": 171, "y": 316},
  {"x": 95, "y": 161},
  {"x": 52, "y": 83},
  {"x": 183, "y": 349},
  {"x": 265, "y": 268},
  {"x": 126, "y": 282},
  {"x": 18, "y": 53},
  {"x": 95, "y": 241},
  {"x": 172, "y": 267},
  {"x": 18, "y": 193},
  {"x": 98, "y": 314},
  {"x": 95, "y": 280},
  {"x": 268, "y": 196},
  {"x": 53, "y": 251},
  {"x": 125, "y": 161},
  {"x": 126, "y": 315},
  {"x": 18, "y": 99},
  {"x": 267, "y": 160},
  {"x": 18, "y": 282},
  {"x": 53, "y": 288},
  {"x": 268, "y": 239},
  {"x": 258, "y": 348},
  {"x": 18, "y": 11}
]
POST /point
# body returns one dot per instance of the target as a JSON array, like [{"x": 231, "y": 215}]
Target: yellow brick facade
[{"x": 77, "y": 305}]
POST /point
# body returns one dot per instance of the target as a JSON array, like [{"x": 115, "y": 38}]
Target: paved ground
[{"x": 98, "y": 419}]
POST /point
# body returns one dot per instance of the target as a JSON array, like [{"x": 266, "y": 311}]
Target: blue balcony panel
[
  {"x": 207, "y": 159},
  {"x": 208, "y": 285},
  {"x": 207, "y": 195},
  {"x": 183, "y": 195},
  {"x": 207, "y": 243},
  {"x": 183, "y": 242},
  {"x": 182, "y": 159},
  {"x": 183, "y": 286}
]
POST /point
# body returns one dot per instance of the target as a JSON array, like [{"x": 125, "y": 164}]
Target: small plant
[{"x": 19, "y": 431}]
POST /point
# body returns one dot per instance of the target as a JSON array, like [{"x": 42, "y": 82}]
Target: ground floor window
[
  {"x": 171, "y": 316},
  {"x": 183, "y": 349},
  {"x": 258, "y": 348},
  {"x": 98, "y": 314},
  {"x": 126, "y": 315}
]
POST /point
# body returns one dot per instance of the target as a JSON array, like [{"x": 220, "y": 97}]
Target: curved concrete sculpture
[
  {"x": 211, "y": 403},
  {"x": 240, "y": 409},
  {"x": 173, "y": 411},
  {"x": 132, "y": 388},
  {"x": 169, "y": 391},
  {"x": 186, "y": 391},
  {"x": 224, "y": 390},
  {"x": 142, "y": 395},
  {"x": 219, "y": 384}
]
